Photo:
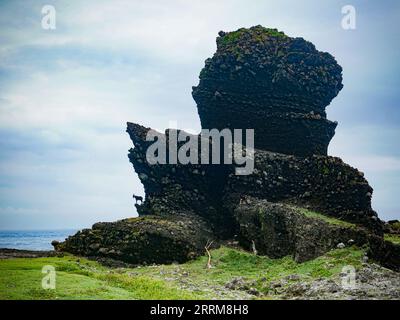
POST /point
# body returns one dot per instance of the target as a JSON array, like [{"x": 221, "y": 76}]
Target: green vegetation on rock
[
  {"x": 79, "y": 278},
  {"x": 330, "y": 220},
  {"x": 395, "y": 226},
  {"x": 394, "y": 238},
  {"x": 258, "y": 33}
]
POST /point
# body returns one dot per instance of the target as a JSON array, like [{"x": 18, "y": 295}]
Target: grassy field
[{"x": 79, "y": 278}]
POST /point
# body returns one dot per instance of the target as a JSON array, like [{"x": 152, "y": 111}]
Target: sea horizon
[{"x": 33, "y": 239}]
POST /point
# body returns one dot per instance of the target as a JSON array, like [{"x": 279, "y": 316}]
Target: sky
[{"x": 67, "y": 93}]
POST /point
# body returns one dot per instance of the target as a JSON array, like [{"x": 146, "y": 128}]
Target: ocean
[{"x": 32, "y": 240}]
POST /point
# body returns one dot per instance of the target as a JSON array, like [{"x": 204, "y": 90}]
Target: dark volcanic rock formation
[
  {"x": 150, "y": 239},
  {"x": 321, "y": 183},
  {"x": 279, "y": 230},
  {"x": 192, "y": 189},
  {"x": 279, "y": 86}
]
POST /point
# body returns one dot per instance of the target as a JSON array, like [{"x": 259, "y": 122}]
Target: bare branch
[
  {"x": 253, "y": 246},
  {"x": 208, "y": 245}
]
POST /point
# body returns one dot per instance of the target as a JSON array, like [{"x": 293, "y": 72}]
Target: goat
[{"x": 137, "y": 198}]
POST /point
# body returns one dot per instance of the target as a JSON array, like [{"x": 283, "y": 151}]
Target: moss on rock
[{"x": 319, "y": 216}]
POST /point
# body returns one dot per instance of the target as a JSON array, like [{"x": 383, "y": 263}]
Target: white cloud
[{"x": 374, "y": 163}]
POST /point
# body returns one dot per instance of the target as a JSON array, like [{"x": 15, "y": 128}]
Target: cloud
[
  {"x": 375, "y": 163},
  {"x": 51, "y": 185},
  {"x": 374, "y": 150}
]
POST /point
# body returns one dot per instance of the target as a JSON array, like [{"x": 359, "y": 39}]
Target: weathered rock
[
  {"x": 279, "y": 230},
  {"x": 149, "y": 239},
  {"x": 6, "y": 253},
  {"x": 279, "y": 86},
  {"x": 341, "y": 245},
  {"x": 392, "y": 227},
  {"x": 386, "y": 253},
  {"x": 372, "y": 282},
  {"x": 195, "y": 189},
  {"x": 324, "y": 184}
]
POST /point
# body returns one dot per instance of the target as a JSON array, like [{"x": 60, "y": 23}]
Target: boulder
[
  {"x": 142, "y": 240},
  {"x": 279, "y": 230},
  {"x": 321, "y": 183}
]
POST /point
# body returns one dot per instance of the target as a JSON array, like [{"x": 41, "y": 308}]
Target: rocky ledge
[
  {"x": 144, "y": 240},
  {"x": 278, "y": 230}
]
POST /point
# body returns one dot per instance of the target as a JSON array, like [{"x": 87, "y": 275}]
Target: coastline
[{"x": 7, "y": 253}]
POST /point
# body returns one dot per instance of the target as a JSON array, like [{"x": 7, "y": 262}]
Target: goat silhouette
[{"x": 137, "y": 198}]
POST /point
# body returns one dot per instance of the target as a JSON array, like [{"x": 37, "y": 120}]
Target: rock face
[
  {"x": 279, "y": 230},
  {"x": 323, "y": 184},
  {"x": 279, "y": 86},
  {"x": 150, "y": 239},
  {"x": 373, "y": 283},
  {"x": 192, "y": 189}
]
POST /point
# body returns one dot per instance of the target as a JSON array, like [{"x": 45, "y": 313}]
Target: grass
[
  {"x": 84, "y": 279},
  {"x": 330, "y": 220},
  {"x": 78, "y": 279},
  {"x": 396, "y": 225},
  {"x": 259, "y": 34},
  {"x": 230, "y": 263},
  {"x": 395, "y": 238}
]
